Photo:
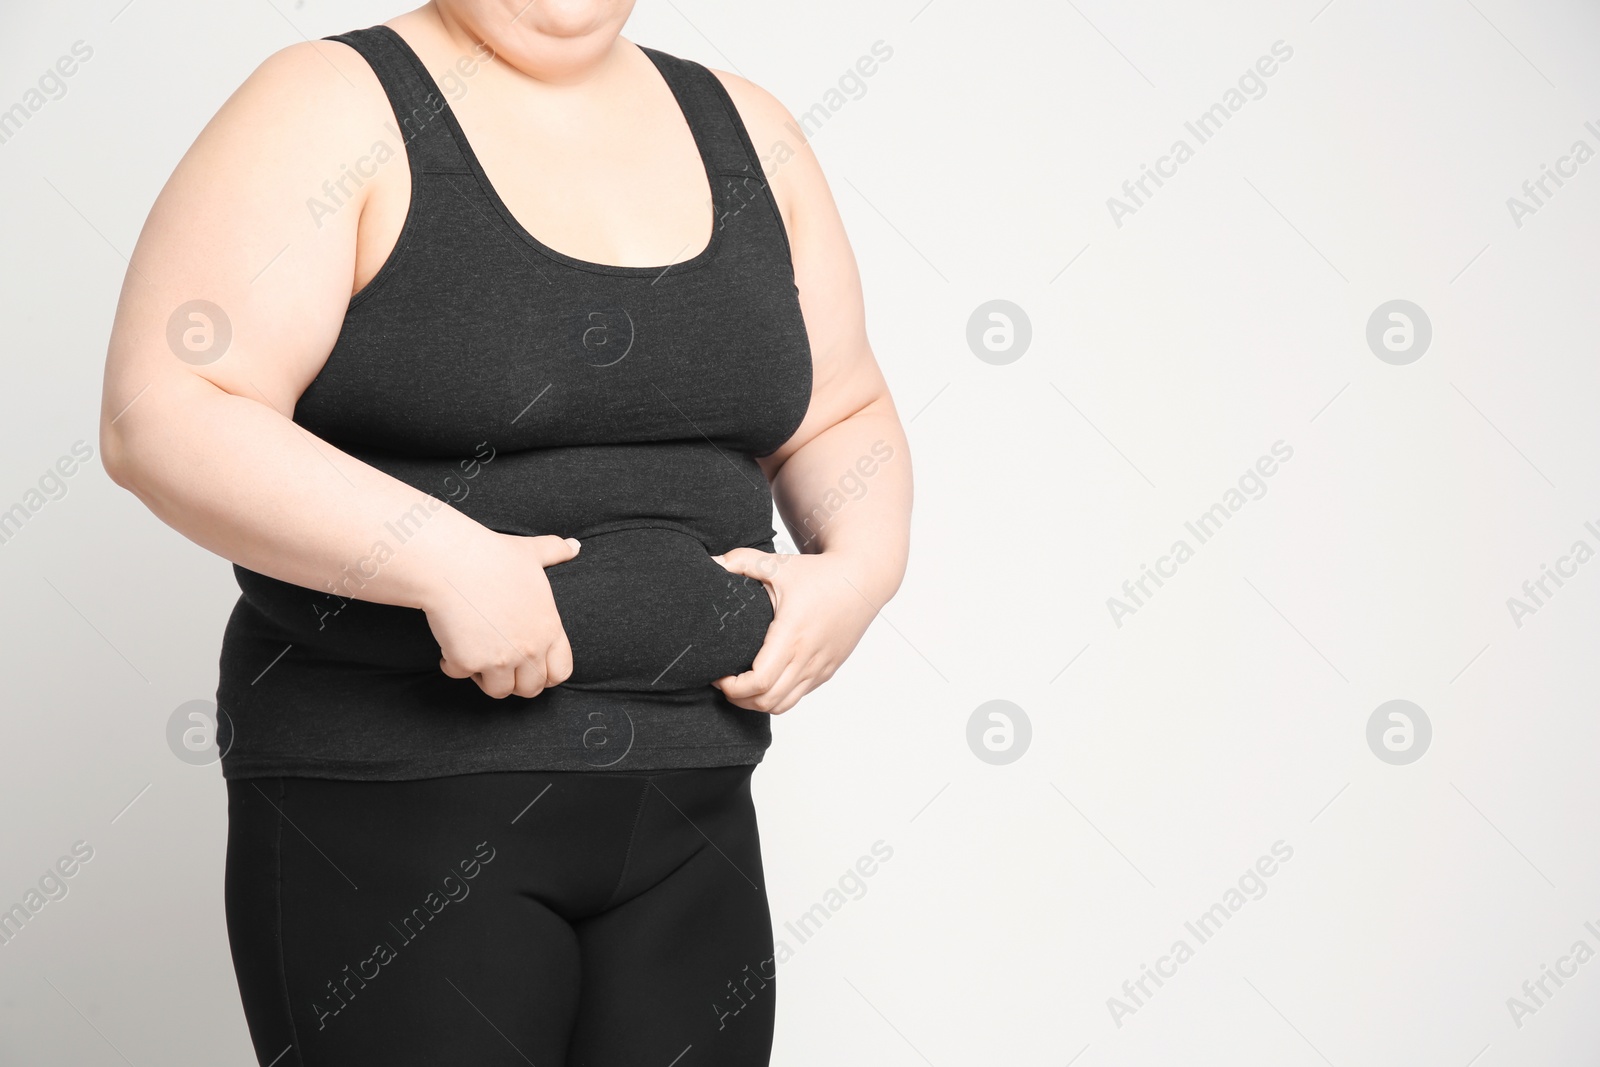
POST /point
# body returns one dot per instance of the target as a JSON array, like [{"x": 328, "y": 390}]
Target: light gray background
[{"x": 1168, "y": 354}]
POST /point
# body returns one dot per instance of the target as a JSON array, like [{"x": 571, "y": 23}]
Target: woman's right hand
[{"x": 496, "y": 620}]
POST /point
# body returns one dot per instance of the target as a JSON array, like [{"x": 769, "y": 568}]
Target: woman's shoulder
[
  {"x": 322, "y": 88},
  {"x": 243, "y": 221},
  {"x": 761, "y": 111},
  {"x": 774, "y": 135}
]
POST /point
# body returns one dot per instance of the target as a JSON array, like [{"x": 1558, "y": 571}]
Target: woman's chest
[{"x": 474, "y": 337}]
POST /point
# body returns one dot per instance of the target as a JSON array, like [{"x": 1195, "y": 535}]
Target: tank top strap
[
  {"x": 710, "y": 112},
  {"x": 419, "y": 107}
]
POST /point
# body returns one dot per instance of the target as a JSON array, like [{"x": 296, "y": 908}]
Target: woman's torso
[{"x": 485, "y": 360}]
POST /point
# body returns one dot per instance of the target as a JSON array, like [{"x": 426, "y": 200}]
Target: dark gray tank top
[{"x": 541, "y": 394}]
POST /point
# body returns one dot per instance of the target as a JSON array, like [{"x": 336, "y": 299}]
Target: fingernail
[{"x": 573, "y": 541}]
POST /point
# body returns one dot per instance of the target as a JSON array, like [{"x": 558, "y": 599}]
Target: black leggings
[{"x": 579, "y": 918}]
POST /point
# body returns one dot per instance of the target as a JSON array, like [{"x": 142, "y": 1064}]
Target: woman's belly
[{"x": 644, "y": 605}]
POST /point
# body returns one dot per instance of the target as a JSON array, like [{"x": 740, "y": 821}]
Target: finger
[
  {"x": 802, "y": 686},
  {"x": 450, "y": 668},
  {"x": 553, "y": 549},
  {"x": 769, "y": 664},
  {"x": 529, "y": 679},
  {"x": 558, "y": 662},
  {"x": 766, "y": 587},
  {"x": 761, "y": 687},
  {"x": 744, "y": 702},
  {"x": 498, "y": 682},
  {"x": 751, "y": 562},
  {"x": 779, "y": 646},
  {"x": 783, "y": 693},
  {"x": 789, "y": 701},
  {"x": 777, "y": 650}
]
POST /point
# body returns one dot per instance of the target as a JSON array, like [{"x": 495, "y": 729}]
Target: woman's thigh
[
  {"x": 678, "y": 968},
  {"x": 587, "y": 918},
  {"x": 412, "y": 923}
]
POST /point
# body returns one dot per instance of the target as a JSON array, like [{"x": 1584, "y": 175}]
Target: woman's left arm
[{"x": 842, "y": 482}]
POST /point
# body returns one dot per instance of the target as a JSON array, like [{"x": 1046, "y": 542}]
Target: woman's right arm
[{"x": 207, "y": 441}]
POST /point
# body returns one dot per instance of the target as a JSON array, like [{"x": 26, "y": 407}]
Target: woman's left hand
[{"x": 820, "y": 610}]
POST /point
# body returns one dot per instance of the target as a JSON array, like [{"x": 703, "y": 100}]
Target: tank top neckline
[{"x": 470, "y": 157}]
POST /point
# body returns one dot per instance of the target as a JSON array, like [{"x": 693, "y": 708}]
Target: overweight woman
[{"x": 483, "y": 342}]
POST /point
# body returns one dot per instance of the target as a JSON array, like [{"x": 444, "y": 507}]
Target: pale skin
[{"x": 586, "y": 146}]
